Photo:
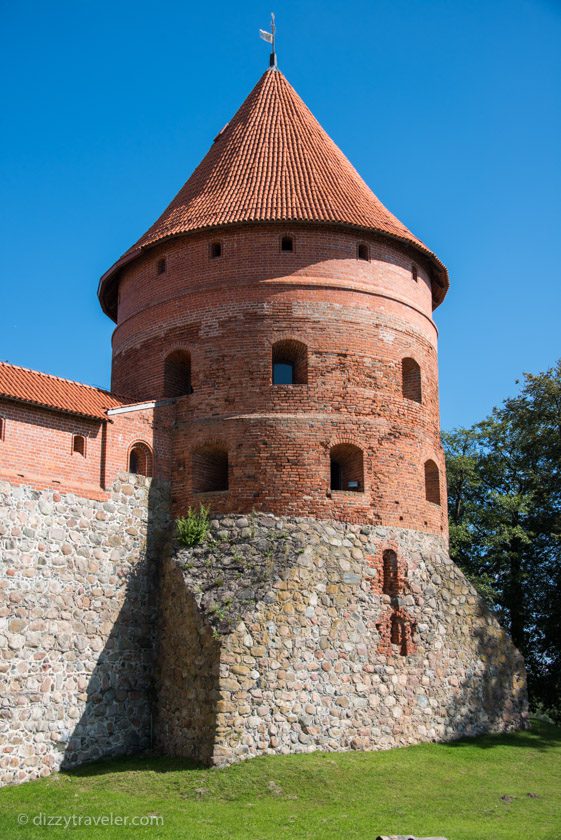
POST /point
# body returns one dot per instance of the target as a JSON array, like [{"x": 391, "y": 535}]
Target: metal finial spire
[{"x": 270, "y": 38}]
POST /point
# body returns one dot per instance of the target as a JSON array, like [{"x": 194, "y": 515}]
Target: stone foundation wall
[
  {"x": 327, "y": 636},
  {"x": 77, "y": 619}
]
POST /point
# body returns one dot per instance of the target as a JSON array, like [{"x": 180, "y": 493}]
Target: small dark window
[
  {"x": 290, "y": 363},
  {"x": 215, "y": 250},
  {"x": 346, "y": 468},
  {"x": 411, "y": 380},
  {"x": 79, "y": 445},
  {"x": 162, "y": 265},
  {"x": 177, "y": 374},
  {"x": 2, "y": 428},
  {"x": 432, "y": 483},
  {"x": 287, "y": 243},
  {"x": 414, "y": 273},
  {"x": 363, "y": 252},
  {"x": 140, "y": 460},
  {"x": 210, "y": 469}
]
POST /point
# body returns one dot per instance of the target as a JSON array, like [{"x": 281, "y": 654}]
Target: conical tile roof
[{"x": 273, "y": 162}]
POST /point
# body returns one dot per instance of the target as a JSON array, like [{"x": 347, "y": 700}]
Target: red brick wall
[
  {"x": 36, "y": 447},
  {"x": 359, "y": 319}
]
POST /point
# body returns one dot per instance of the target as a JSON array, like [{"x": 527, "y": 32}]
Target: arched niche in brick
[
  {"x": 432, "y": 482},
  {"x": 210, "y": 468},
  {"x": 363, "y": 251},
  {"x": 177, "y": 374},
  {"x": 141, "y": 461},
  {"x": 79, "y": 445},
  {"x": 399, "y": 634},
  {"x": 390, "y": 573},
  {"x": 411, "y": 380},
  {"x": 289, "y": 362},
  {"x": 346, "y": 467}
]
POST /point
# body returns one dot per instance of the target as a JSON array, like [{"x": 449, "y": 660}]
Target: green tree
[{"x": 504, "y": 494}]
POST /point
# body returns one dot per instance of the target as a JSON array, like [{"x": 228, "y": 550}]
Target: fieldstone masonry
[
  {"x": 276, "y": 635},
  {"x": 77, "y": 622},
  {"x": 291, "y": 647}
]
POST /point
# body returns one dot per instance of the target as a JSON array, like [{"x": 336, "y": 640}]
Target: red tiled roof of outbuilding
[
  {"x": 52, "y": 392},
  {"x": 273, "y": 162}
]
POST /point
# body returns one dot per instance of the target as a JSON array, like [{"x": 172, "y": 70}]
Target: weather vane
[{"x": 270, "y": 38}]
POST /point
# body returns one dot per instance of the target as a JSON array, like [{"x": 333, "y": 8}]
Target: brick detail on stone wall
[{"x": 312, "y": 654}]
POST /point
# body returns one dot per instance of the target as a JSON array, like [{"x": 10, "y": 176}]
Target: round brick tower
[{"x": 290, "y": 316}]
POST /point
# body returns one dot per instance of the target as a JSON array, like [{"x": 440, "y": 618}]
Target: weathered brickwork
[
  {"x": 77, "y": 620},
  {"x": 358, "y": 319},
  {"x": 37, "y": 447},
  {"x": 292, "y": 647}
]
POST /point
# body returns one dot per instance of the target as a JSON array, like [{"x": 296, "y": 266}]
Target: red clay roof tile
[
  {"x": 42, "y": 389},
  {"x": 273, "y": 162}
]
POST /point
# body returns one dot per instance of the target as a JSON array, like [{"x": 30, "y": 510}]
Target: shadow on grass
[
  {"x": 541, "y": 736},
  {"x": 149, "y": 763}
]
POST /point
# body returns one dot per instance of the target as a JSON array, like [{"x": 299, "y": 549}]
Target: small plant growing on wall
[{"x": 193, "y": 528}]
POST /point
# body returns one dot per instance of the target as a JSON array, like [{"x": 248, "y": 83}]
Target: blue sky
[{"x": 451, "y": 111}]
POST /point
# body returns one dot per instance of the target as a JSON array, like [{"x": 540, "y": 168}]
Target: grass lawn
[{"x": 490, "y": 788}]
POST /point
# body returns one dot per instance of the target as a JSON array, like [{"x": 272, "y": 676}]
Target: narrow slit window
[
  {"x": 177, "y": 374},
  {"x": 414, "y": 273},
  {"x": 215, "y": 250},
  {"x": 287, "y": 243},
  {"x": 432, "y": 483},
  {"x": 2, "y": 428},
  {"x": 363, "y": 252},
  {"x": 411, "y": 380},
  {"x": 162, "y": 265}
]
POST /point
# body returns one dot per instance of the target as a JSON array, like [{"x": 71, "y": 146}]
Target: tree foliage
[{"x": 504, "y": 495}]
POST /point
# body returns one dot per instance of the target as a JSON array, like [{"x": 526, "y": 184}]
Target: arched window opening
[
  {"x": 411, "y": 380},
  {"x": 414, "y": 273},
  {"x": 79, "y": 445},
  {"x": 177, "y": 374},
  {"x": 210, "y": 469},
  {"x": 290, "y": 363},
  {"x": 215, "y": 250},
  {"x": 390, "y": 574},
  {"x": 347, "y": 469},
  {"x": 432, "y": 483},
  {"x": 363, "y": 251},
  {"x": 140, "y": 460},
  {"x": 287, "y": 243},
  {"x": 161, "y": 266}
]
